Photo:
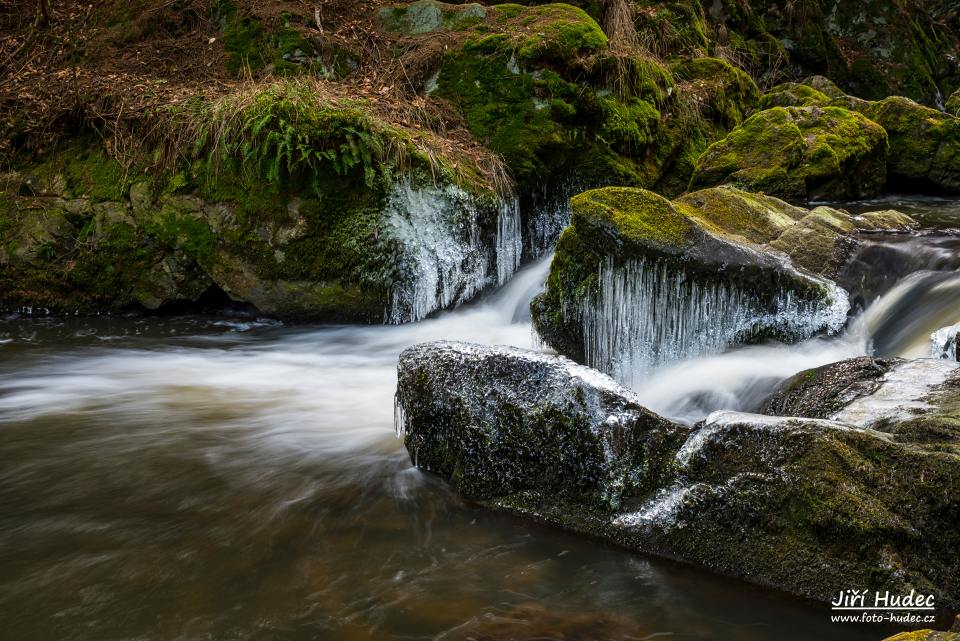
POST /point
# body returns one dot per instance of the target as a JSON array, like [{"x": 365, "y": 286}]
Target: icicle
[
  {"x": 647, "y": 314},
  {"x": 943, "y": 343},
  {"x": 399, "y": 418},
  {"x": 447, "y": 258},
  {"x": 509, "y": 240}
]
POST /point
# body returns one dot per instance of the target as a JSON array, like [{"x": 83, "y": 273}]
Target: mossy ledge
[{"x": 288, "y": 198}]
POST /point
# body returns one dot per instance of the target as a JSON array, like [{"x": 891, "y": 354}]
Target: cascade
[{"x": 646, "y": 314}]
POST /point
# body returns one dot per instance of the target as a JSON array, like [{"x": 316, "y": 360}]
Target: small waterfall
[
  {"x": 550, "y": 213},
  {"x": 647, "y": 314},
  {"x": 447, "y": 257}
]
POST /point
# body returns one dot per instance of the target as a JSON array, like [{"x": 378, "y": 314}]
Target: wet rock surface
[
  {"x": 504, "y": 421},
  {"x": 803, "y": 504}
]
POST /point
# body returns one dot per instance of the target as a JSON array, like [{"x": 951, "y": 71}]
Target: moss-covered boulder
[
  {"x": 543, "y": 87},
  {"x": 793, "y": 94},
  {"x": 805, "y": 505},
  {"x": 952, "y": 106},
  {"x": 924, "y": 145},
  {"x": 638, "y": 280},
  {"x": 925, "y": 635},
  {"x": 799, "y": 153},
  {"x": 301, "y": 204}
]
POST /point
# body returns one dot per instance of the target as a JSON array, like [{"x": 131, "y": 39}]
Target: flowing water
[{"x": 214, "y": 478}]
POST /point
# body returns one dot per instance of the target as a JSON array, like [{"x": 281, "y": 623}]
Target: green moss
[
  {"x": 792, "y": 94},
  {"x": 952, "y": 105},
  {"x": 631, "y": 216},
  {"x": 564, "y": 32},
  {"x": 799, "y": 153},
  {"x": 924, "y": 144}
]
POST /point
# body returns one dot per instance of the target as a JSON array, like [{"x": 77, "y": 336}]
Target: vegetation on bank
[{"x": 264, "y": 140}]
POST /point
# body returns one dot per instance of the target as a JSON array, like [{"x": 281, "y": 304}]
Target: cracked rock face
[{"x": 808, "y": 504}]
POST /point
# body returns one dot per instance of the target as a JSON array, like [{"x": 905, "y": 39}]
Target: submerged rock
[
  {"x": 638, "y": 280},
  {"x": 799, "y": 153},
  {"x": 807, "y": 505}
]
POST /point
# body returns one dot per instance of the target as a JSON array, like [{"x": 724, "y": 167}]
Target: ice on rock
[
  {"x": 660, "y": 510},
  {"x": 943, "y": 343},
  {"x": 646, "y": 314},
  {"x": 447, "y": 258}
]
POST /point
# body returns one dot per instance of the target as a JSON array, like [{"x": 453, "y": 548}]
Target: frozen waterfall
[{"x": 646, "y": 313}]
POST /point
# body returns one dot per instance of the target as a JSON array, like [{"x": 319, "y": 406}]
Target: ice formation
[{"x": 447, "y": 258}]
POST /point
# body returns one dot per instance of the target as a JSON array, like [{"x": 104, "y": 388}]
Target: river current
[{"x": 237, "y": 478}]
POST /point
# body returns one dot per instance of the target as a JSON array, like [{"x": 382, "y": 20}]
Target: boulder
[
  {"x": 428, "y": 16},
  {"x": 925, "y": 635},
  {"x": 924, "y": 142},
  {"x": 952, "y": 106},
  {"x": 638, "y": 280},
  {"x": 806, "y": 505},
  {"x": 924, "y": 145},
  {"x": 500, "y": 422},
  {"x": 800, "y": 154},
  {"x": 915, "y": 401}
]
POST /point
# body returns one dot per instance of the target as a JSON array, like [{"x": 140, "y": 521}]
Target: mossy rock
[
  {"x": 305, "y": 206},
  {"x": 925, "y": 635},
  {"x": 712, "y": 236},
  {"x": 924, "y": 145},
  {"x": 801, "y": 504},
  {"x": 952, "y": 106},
  {"x": 793, "y": 94},
  {"x": 800, "y": 153},
  {"x": 427, "y": 16}
]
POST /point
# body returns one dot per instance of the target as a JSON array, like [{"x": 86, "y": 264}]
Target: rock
[
  {"x": 925, "y": 635},
  {"x": 799, "y": 153},
  {"x": 952, "y": 106},
  {"x": 887, "y": 220},
  {"x": 638, "y": 280},
  {"x": 825, "y": 86},
  {"x": 793, "y": 94},
  {"x": 944, "y": 343},
  {"x": 916, "y": 401},
  {"x": 805, "y": 505},
  {"x": 356, "y": 235},
  {"x": 427, "y": 16},
  {"x": 924, "y": 145},
  {"x": 501, "y": 421}
]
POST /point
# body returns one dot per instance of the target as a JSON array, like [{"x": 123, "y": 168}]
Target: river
[{"x": 205, "y": 477}]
